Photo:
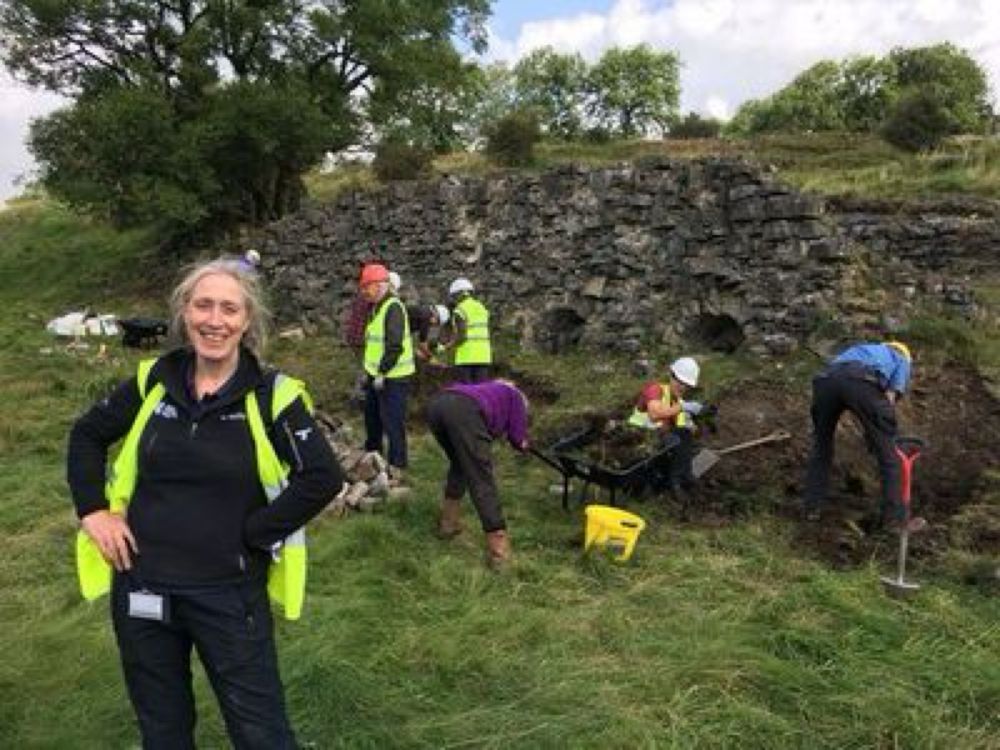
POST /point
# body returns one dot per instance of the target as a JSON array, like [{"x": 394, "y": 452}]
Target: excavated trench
[{"x": 949, "y": 408}]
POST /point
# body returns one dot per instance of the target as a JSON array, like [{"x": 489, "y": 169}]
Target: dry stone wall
[{"x": 625, "y": 258}]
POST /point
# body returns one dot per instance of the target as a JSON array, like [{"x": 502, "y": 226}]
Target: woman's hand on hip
[{"x": 113, "y": 537}]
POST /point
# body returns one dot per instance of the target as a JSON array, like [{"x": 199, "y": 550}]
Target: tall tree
[
  {"x": 554, "y": 87},
  {"x": 949, "y": 74},
  {"x": 493, "y": 95},
  {"x": 635, "y": 90},
  {"x": 859, "y": 93},
  {"x": 333, "y": 63},
  {"x": 866, "y": 89}
]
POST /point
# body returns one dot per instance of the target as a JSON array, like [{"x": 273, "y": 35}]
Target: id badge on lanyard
[{"x": 144, "y": 604}]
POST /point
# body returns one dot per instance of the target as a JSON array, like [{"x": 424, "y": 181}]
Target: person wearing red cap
[{"x": 388, "y": 366}]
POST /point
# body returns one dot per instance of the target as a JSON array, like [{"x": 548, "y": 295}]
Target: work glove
[
  {"x": 378, "y": 382},
  {"x": 693, "y": 408},
  {"x": 707, "y": 418}
]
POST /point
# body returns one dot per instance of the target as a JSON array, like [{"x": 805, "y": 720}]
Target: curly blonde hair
[{"x": 258, "y": 314}]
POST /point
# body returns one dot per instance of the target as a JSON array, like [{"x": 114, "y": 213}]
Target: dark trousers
[
  {"x": 230, "y": 626},
  {"x": 472, "y": 373},
  {"x": 671, "y": 470},
  {"x": 458, "y": 426},
  {"x": 832, "y": 396},
  {"x": 385, "y": 416},
  {"x": 681, "y": 456}
]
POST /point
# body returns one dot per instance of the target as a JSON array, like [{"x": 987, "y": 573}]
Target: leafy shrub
[
  {"x": 695, "y": 126},
  {"x": 597, "y": 135},
  {"x": 917, "y": 122},
  {"x": 395, "y": 160},
  {"x": 511, "y": 141}
]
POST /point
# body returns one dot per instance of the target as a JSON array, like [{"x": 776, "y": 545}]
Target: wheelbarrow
[
  {"x": 630, "y": 480},
  {"x": 142, "y": 332}
]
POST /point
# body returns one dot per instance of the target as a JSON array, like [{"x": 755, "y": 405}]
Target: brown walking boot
[
  {"x": 450, "y": 518},
  {"x": 498, "y": 554}
]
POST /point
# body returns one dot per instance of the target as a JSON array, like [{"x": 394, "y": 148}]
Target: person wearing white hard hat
[
  {"x": 471, "y": 326},
  {"x": 251, "y": 261},
  {"x": 664, "y": 408},
  {"x": 423, "y": 319},
  {"x": 395, "y": 282}
]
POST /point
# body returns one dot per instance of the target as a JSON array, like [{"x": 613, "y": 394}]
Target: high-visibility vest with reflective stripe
[
  {"x": 642, "y": 419},
  {"x": 375, "y": 343},
  {"x": 286, "y": 576},
  {"x": 475, "y": 350}
]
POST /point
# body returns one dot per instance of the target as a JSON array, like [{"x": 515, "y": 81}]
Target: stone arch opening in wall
[
  {"x": 560, "y": 329},
  {"x": 720, "y": 333}
]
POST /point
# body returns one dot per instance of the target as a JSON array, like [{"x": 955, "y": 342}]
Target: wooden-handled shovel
[{"x": 706, "y": 458}]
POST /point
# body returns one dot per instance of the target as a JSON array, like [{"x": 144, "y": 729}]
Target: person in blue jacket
[{"x": 866, "y": 379}]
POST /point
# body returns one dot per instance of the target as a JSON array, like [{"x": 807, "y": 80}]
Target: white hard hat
[
  {"x": 442, "y": 314},
  {"x": 459, "y": 285},
  {"x": 395, "y": 281},
  {"x": 686, "y": 370},
  {"x": 252, "y": 257}
]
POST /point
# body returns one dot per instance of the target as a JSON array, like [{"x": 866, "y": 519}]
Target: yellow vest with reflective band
[
  {"x": 642, "y": 419},
  {"x": 375, "y": 343},
  {"x": 475, "y": 350},
  {"x": 286, "y": 576}
]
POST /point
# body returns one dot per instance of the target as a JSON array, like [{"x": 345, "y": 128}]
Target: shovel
[
  {"x": 907, "y": 449},
  {"x": 706, "y": 458}
]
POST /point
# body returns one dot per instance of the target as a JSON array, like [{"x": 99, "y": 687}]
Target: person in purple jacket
[{"x": 465, "y": 418}]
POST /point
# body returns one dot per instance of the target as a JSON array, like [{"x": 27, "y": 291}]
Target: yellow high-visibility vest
[
  {"x": 642, "y": 419},
  {"x": 286, "y": 576},
  {"x": 375, "y": 343},
  {"x": 476, "y": 349}
]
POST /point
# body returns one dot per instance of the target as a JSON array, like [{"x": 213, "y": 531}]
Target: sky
[{"x": 730, "y": 50}]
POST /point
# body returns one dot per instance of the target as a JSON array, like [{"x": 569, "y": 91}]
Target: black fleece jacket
[{"x": 198, "y": 513}]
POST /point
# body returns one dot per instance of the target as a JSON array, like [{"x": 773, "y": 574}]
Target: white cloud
[
  {"x": 18, "y": 105},
  {"x": 731, "y": 50},
  {"x": 734, "y": 50},
  {"x": 717, "y": 107}
]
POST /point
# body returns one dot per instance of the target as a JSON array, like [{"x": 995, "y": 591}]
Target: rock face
[{"x": 625, "y": 258}]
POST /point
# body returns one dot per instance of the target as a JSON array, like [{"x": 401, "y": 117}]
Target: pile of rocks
[{"x": 366, "y": 473}]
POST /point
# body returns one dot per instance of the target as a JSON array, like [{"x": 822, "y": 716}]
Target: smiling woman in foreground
[{"x": 202, "y": 516}]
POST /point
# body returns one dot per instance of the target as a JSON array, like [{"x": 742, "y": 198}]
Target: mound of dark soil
[{"x": 949, "y": 408}]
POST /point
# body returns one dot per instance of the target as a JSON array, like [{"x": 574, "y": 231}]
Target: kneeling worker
[
  {"x": 661, "y": 407},
  {"x": 465, "y": 418}
]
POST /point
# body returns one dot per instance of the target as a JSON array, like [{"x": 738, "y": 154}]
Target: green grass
[
  {"x": 827, "y": 163},
  {"x": 725, "y": 637}
]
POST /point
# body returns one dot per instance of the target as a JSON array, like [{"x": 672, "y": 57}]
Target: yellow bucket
[{"x": 612, "y": 528}]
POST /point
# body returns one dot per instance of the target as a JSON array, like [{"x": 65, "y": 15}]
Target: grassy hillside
[
  {"x": 831, "y": 163},
  {"x": 713, "y": 636}
]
